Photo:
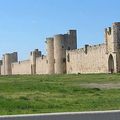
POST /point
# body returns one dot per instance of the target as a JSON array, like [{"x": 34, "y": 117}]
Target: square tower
[{"x": 112, "y": 38}]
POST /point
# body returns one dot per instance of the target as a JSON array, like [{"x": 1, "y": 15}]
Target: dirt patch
[{"x": 101, "y": 86}]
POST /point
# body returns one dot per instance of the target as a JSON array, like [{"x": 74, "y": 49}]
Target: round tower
[
  {"x": 33, "y": 62},
  {"x": 50, "y": 55},
  {"x": 7, "y": 64},
  {"x": 59, "y": 54}
]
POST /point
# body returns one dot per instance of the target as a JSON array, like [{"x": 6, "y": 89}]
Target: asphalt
[{"x": 101, "y": 115}]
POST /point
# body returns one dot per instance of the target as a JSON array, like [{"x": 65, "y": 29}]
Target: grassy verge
[{"x": 57, "y": 93}]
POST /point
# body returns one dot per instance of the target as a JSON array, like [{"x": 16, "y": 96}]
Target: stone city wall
[
  {"x": 41, "y": 65},
  {"x": 91, "y": 59},
  {"x": 22, "y": 67}
]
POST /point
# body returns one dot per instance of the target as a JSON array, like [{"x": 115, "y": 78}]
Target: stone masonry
[{"x": 63, "y": 57}]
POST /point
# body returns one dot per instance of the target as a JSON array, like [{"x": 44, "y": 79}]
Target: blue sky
[{"x": 24, "y": 24}]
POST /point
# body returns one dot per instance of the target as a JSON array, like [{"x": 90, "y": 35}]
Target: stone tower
[
  {"x": 33, "y": 55},
  {"x": 7, "y": 64},
  {"x": 112, "y": 40},
  {"x": 8, "y": 59},
  {"x": 0, "y": 66},
  {"x": 72, "y": 39},
  {"x": 63, "y": 42},
  {"x": 116, "y": 36},
  {"x": 59, "y": 54},
  {"x": 50, "y": 55},
  {"x": 56, "y": 51}
]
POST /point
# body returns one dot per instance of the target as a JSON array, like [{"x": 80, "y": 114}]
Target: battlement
[
  {"x": 7, "y": 60},
  {"x": 36, "y": 53},
  {"x": 116, "y": 23},
  {"x": 72, "y": 31},
  {"x": 43, "y": 57},
  {"x": 88, "y": 48},
  {"x": 108, "y": 30},
  {"x": 112, "y": 35},
  {"x": 49, "y": 38},
  {"x": 24, "y": 61},
  {"x": 64, "y": 57}
]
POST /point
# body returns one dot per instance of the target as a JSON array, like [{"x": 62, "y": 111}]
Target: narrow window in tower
[
  {"x": 64, "y": 60},
  {"x": 68, "y": 57}
]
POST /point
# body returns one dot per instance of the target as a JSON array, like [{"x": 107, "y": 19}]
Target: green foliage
[{"x": 57, "y": 93}]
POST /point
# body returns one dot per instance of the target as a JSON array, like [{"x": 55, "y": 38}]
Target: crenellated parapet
[
  {"x": 112, "y": 38},
  {"x": 64, "y": 57}
]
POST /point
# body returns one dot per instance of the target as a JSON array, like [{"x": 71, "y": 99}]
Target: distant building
[{"x": 64, "y": 57}]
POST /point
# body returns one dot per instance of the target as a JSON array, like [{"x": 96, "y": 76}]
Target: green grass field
[{"x": 58, "y": 93}]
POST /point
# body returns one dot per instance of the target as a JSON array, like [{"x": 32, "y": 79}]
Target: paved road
[{"x": 107, "y": 115}]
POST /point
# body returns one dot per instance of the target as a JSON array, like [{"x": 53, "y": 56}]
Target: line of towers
[{"x": 55, "y": 58}]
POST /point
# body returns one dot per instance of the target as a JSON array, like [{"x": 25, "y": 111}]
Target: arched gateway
[{"x": 111, "y": 64}]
